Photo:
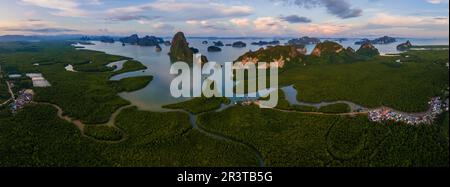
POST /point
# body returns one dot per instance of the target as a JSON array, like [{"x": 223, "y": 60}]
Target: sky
[{"x": 227, "y": 18}]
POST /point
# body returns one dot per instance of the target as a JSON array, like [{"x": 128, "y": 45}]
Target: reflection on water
[{"x": 157, "y": 93}]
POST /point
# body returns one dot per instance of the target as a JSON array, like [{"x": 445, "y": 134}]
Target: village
[
  {"x": 437, "y": 106},
  {"x": 24, "y": 95}
]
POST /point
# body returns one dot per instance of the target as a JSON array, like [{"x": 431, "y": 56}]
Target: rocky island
[
  {"x": 145, "y": 41},
  {"x": 239, "y": 44},
  {"x": 218, "y": 44},
  {"x": 260, "y": 43},
  {"x": 214, "y": 49},
  {"x": 106, "y": 39},
  {"x": 304, "y": 41},
  {"x": 180, "y": 50},
  {"x": 194, "y": 50},
  {"x": 158, "y": 48},
  {"x": 404, "y": 46}
]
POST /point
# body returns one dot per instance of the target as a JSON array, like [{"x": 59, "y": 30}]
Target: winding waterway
[
  {"x": 157, "y": 93},
  {"x": 291, "y": 96}
]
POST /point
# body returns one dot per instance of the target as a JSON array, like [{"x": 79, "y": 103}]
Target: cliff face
[
  {"x": 327, "y": 48},
  {"x": 281, "y": 55},
  {"x": 368, "y": 50},
  {"x": 332, "y": 52},
  {"x": 300, "y": 48},
  {"x": 180, "y": 51}
]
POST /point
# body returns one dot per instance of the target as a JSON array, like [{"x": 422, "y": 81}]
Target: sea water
[{"x": 157, "y": 93}]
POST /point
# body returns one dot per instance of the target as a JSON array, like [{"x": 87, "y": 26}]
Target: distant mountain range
[{"x": 117, "y": 38}]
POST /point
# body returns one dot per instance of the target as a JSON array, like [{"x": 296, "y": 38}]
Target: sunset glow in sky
[{"x": 321, "y": 18}]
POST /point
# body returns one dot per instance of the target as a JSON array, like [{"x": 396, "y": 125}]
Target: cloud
[
  {"x": 384, "y": 20},
  {"x": 33, "y": 26},
  {"x": 269, "y": 25},
  {"x": 324, "y": 29},
  {"x": 132, "y": 18},
  {"x": 68, "y": 8},
  {"x": 295, "y": 19},
  {"x": 339, "y": 8},
  {"x": 163, "y": 26},
  {"x": 404, "y": 26},
  {"x": 205, "y": 24},
  {"x": 437, "y": 1},
  {"x": 177, "y": 10},
  {"x": 41, "y": 30},
  {"x": 157, "y": 25},
  {"x": 241, "y": 22}
]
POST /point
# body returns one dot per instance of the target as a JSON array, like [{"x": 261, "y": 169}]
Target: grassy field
[
  {"x": 290, "y": 139},
  {"x": 381, "y": 81},
  {"x": 96, "y": 96}
]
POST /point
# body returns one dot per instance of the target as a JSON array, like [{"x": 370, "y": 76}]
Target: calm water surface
[{"x": 157, "y": 93}]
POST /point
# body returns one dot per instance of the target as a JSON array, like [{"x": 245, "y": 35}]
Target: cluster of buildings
[
  {"x": 437, "y": 106},
  {"x": 24, "y": 97}
]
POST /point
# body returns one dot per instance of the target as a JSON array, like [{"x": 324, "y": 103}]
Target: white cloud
[
  {"x": 176, "y": 10},
  {"x": 32, "y": 26},
  {"x": 324, "y": 29},
  {"x": 269, "y": 25},
  {"x": 68, "y": 8},
  {"x": 437, "y": 1},
  {"x": 388, "y": 20},
  {"x": 241, "y": 22}
]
